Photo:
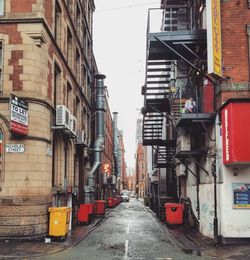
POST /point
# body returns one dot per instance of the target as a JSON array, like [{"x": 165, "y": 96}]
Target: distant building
[
  {"x": 141, "y": 169},
  {"x": 119, "y": 157},
  {"x": 139, "y": 130}
]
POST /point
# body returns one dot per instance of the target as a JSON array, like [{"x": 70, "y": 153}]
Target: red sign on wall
[
  {"x": 19, "y": 115},
  {"x": 235, "y": 133}
]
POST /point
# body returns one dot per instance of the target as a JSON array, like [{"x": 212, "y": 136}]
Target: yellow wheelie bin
[{"x": 59, "y": 221}]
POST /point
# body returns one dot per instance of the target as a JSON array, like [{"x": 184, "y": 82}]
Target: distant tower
[{"x": 139, "y": 130}]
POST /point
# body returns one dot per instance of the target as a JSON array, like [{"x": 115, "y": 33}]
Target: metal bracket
[
  {"x": 202, "y": 168},
  {"x": 194, "y": 174},
  {"x": 205, "y": 128}
]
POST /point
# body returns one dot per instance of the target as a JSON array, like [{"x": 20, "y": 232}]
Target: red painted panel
[
  {"x": 208, "y": 97},
  {"x": 235, "y": 133}
]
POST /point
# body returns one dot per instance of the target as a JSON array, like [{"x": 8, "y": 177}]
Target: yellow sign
[{"x": 216, "y": 32}]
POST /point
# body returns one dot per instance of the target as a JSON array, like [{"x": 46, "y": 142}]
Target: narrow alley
[{"x": 130, "y": 231}]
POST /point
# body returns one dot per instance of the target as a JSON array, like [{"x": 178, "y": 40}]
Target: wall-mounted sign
[
  {"x": 14, "y": 148},
  {"x": 235, "y": 133},
  {"x": 241, "y": 195},
  {"x": 19, "y": 115},
  {"x": 214, "y": 37}
]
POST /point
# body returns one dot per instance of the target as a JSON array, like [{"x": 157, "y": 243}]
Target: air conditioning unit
[
  {"x": 73, "y": 124},
  {"x": 81, "y": 137},
  {"x": 62, "y": 116},
  {"x": 183, "y": 143}
]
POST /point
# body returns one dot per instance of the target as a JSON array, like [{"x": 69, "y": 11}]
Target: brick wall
[{"x": 235, "y": 16}]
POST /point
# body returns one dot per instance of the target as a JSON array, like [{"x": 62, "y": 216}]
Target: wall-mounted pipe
[
  {"x": 99, "y": 142},
  {"x": 116, "y": 143}
]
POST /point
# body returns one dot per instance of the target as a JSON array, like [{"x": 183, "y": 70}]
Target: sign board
[
  {"x": 14, "y": 148},
  {"x": 235, "y": 120},
  {"x": 241, "y": 195},
  {"x": 19, "y": 115},
  {"x": 214, "y": 37}
]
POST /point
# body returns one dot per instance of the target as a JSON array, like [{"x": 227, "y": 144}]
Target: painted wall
[
  {"x": 204, "y": 210},
  {"x": 233, "y": 223}
]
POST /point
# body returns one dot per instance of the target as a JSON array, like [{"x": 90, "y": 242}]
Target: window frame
[{"x": 2, "y": 5}]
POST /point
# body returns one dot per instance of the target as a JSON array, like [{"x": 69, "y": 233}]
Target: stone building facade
[{"x": 47, "y": 60}]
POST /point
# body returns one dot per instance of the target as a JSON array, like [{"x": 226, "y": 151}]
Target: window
[
  {"x": 69, "y": 48},
  {"x": 78, "y": 66},
  {"x": 78, "y": 21},
  {"x": 1, "y": 7},
  {"x": 57, "y": 83},
  {"x": 78, "y": 113},
  {"x": 1, "y": 153},
  {"x": 84, "y": 119},
  {"x": 71, "y": 7},
  {"x": 58, "y": 23},
  {"x": 69, "y": 97},
  {"x": 1, "y": 67}
]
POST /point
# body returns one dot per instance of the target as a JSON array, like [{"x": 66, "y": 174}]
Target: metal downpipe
[{"x": 98, "y": 146}]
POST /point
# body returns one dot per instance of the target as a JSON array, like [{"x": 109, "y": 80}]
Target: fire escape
[{"x": 175, "y": 69}]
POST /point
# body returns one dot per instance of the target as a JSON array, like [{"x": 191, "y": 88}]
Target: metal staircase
[
  {"x": 179, "y": 41},
  {"x": 156, "y": 101}
]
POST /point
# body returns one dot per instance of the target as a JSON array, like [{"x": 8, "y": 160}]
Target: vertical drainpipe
[
  {"x": 99, "y": 142},
  {"x": 115, "y": 136}
]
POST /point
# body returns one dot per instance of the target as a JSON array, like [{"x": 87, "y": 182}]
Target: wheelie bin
[
  {"x": 83, "y": 214},
  {"x": 59, "y": 221},
  {"x": 100, "y": 207},
  {"x": 174, "y": 213},
  {"x": 110, "y": 202}
]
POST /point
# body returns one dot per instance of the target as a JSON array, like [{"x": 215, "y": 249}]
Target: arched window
[{"x": 1, "y": 153}]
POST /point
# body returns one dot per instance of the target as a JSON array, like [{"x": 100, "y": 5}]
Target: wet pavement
[
  {"x": 32, "y": 249},
  {"x": 129, "y": 231}
]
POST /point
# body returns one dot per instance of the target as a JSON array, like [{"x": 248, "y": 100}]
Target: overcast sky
[{"x": 120, "y": 52}]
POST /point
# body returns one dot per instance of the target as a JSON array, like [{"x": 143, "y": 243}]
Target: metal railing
[{"x": 173, "y": 18}]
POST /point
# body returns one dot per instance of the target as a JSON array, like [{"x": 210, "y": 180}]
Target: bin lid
[
  {"x": 58, "y": 209},
  {"x": 175, "y": 205}
]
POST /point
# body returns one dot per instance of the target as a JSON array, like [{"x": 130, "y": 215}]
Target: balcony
[{"x": 179, "y": 35}]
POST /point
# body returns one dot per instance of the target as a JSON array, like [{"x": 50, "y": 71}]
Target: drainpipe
[
  {"x": 115, "y": 140},
  {"x": 216, "y": 234},
  {"x": 99, "y": 142}
]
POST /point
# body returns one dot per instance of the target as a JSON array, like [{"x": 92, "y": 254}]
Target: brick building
[
  {"x": 131, "y": 181},
  {"x": 141, "y": 169},
  {"x": 201, "y": 158},
  {"x": 47, "y": 61},
  {"x": 106, "y": 177}
]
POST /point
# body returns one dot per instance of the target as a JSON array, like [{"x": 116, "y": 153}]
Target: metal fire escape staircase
[{"x": 179, "y": 39}]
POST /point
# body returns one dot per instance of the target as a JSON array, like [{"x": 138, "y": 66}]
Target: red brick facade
[
  {"x": 24, "y": 7},
  {"x": 235, "y": 16}
]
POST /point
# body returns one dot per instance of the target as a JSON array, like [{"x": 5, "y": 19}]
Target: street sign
[
  {"x": 14, "y": 148},
  {"x": 19, "y": 115}
]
